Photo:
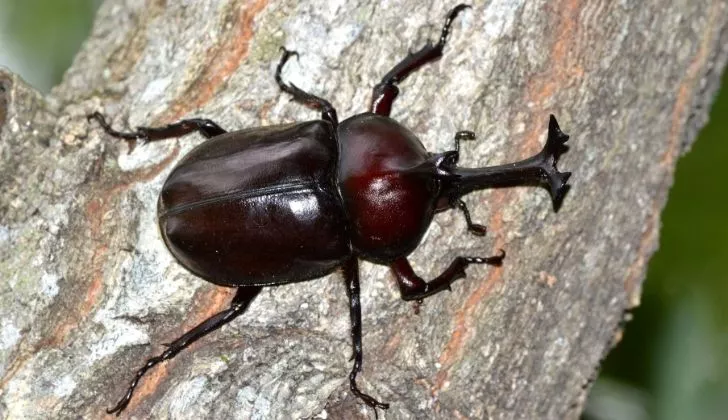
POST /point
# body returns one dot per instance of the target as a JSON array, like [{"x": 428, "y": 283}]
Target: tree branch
[{"x": 89, "y": 291}]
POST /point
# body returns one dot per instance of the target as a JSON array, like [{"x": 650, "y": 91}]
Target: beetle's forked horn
[
  {"x": 555, "y": 146},
  {"x": 538, "y": 170}
]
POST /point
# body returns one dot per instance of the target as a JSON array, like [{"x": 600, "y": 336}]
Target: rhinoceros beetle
[{"x": 289, "y": 203}]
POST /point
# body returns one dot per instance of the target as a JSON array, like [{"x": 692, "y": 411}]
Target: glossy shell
[
  {"x": 257, "y": 207},
  {"x": 389, "y": 191}
]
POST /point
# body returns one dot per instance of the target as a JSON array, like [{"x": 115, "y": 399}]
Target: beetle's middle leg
[
  {"x": 386, "y": 91},
  {"x": 351, "y": 277},
  {"x": 328, "y": 113},
  {"x": 207, "y": 128},
  {"x": 239, "y": 304},
  {"x": 412, "y": 287}
]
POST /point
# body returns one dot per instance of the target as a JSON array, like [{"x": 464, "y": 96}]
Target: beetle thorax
[{"x": 388, "y": 200}]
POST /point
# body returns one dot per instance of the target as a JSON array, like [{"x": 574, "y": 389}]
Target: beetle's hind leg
[
  {"x": 328, "y": 113},
  {"x": 207, "y": 128},
  {"x": 351, "y": 277},
  {"x": 239, "y": 304},
  {"x": 386, "y": 91},
  {"x": 412, "y": 287}
]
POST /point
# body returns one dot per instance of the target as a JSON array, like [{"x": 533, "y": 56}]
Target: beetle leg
[
  {"x": 351, "y": 277},
  {"x": 386, "y": 91},
  {"x": 239, "y": 304},
  {"x": 412, "y": 287},
  {"x": 206, "y": 127},
  {"x": 328, "y": 113}
]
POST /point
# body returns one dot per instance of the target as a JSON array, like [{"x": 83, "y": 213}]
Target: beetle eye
[
  {"x": 445, "y": 162},
  {"x": 448, "y": 160}
]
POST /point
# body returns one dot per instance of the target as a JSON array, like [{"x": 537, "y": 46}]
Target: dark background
[{"x": 672, "y": 361}]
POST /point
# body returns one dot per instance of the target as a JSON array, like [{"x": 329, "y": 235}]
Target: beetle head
[{"x": 538, "y": 170}]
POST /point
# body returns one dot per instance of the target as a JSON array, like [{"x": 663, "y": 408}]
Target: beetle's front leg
[
  {"x": 387, "y": 91},
  {"x": 412, "y": 287},
  {"x": 351, "y": 277}
]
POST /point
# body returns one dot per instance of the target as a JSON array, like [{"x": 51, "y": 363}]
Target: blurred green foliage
[
  {"x": 676, "y": 345},
  {"x": 40, "y": 37},
  {"x": 671, "y": 363}
]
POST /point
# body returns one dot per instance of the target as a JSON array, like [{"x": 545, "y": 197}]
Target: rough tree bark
[{"x": 89, "y": 291}]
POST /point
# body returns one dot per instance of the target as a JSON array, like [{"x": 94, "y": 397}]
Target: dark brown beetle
[{"x": 289, "y": 203}]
